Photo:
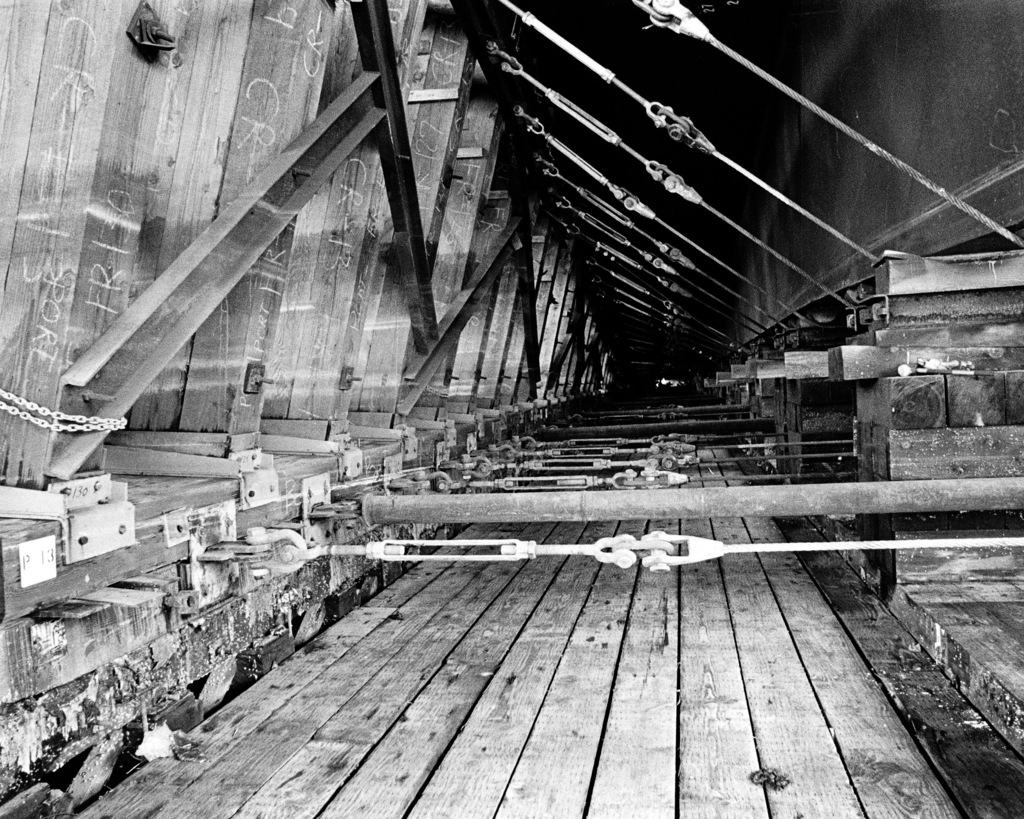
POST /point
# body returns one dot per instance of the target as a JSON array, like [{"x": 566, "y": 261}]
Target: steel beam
[
  {"x": 879, "y": 497},
  {"x": 377, "y": 52},
  {"x": 481, "y": 26}
]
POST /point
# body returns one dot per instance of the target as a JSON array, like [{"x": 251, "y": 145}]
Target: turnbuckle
[
  {"x": 678, "y": 550},
  {"x": 674, "y": 16},
  {"x": 648, "y": 479}
]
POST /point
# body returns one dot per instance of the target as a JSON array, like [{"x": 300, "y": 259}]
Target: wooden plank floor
[{"x": 562, "y": 688}]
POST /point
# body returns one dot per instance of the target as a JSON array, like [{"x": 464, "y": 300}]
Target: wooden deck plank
[
  {"x": 392, "y": 776},
  {"x": 975, "y": 763},
  {"x": 223, "y": 789},
  {"x": 890, "y": 776},
  {"x": 792, "y": 734},
  {"x": 302, "y": 667},
  {"x": 979, "y": 644},
  {"x": 636, "y": 772},
  {"x": 571, "y": 720},
  {"x": 717, "y": 751},
  {"x": 440, "y": 674},
  {"x": 317, "y": 697},
  {"x": 493, "y": 738}
]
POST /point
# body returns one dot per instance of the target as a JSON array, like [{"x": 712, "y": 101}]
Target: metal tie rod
[
  {"x": 664, "y": 551},
  {"x": 679, "y": 129}
]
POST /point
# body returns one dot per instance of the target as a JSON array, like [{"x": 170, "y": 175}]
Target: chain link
[{"x": 51, "y": 419}]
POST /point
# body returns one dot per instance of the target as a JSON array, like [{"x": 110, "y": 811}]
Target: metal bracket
[
  {"x": 185, "y": 602},
  {"x": 346, "y": 378},
  {"x": 442, "y": 453},
  {"x": 316, "y": 491},
  {"x": 174, "y": 525},
  {"x": 254, "y": 378},
  {"x": 259, "y": 487},
  {"x": 83, "y": 492},
  {"x": 102, "y": 527},
  {"x": 350, "y": 462},
  {"x": 250, "y": 460}
]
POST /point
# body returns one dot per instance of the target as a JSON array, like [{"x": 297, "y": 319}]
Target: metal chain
[{"x": 23, "y": 408}]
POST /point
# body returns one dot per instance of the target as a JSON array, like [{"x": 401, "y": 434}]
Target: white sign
[{"x": 38, "y": 561}]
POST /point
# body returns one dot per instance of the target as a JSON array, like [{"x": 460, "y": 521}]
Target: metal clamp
[
  {"x": 674, "y": 16},
  {"x": 672, "y": 182},
  {"x": 630, "y": 202},
  {"x": 533, "y": 125},
  {"x": 679, "y": 128},
  {"x": 617, "y": 550},
  {"x": 678, "y": 550}
]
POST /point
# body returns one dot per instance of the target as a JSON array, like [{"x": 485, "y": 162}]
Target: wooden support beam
[
  {"x": 559, "y": 308},
  {"x": 904, "y": 274},
  {"x": 482, "y": 27},
  {"x": 115, "y": 371},
  {"x": 497, "y": 347},
  {"x": 462, "y": 308},
  {"x": 377, "y": 48},
  {"x": 806, "y": 364}
]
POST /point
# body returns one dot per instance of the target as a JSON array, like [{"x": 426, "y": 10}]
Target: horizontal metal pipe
[
  {"x": 647, "y": 430},
  {"x": 880, "y": 497}
]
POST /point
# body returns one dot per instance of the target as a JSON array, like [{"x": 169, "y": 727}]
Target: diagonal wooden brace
[
  {"x": 421, "y": 370},
  {"x": 111, "y": 375}
]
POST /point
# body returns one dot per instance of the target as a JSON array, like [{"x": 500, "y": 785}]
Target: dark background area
[
  {"x": 939, "y": 83},
  {"x": 730, "y": 106}
]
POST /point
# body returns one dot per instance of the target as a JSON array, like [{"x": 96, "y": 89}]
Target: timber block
[
  {"x": 915, "y": 402},
  {"x": 28, "y": 804},
  {"x": 964, "y": 452},
  {"x": 978, "y": 401},
  {"x": 1014, "y": 383},
  {"x": 906, "y": 273},
  {"x": 257, "y": 661},
  {"x": 855, "y": 363},
  {"x": 114, "y": 622},
  {"x": 997, "y": 309}
]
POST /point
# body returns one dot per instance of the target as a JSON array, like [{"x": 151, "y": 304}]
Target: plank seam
[{"x": 611, "y": 693}]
